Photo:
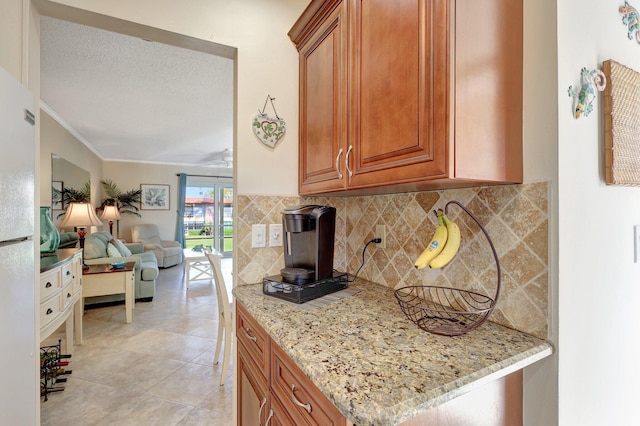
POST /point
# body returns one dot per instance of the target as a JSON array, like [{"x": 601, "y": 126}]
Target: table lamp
[
  {"x": 110, "y": 213},
  {"x": 80, "y": 215}
]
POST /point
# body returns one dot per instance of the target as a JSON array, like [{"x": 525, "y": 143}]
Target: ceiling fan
[{"x": 220, "y": 159}]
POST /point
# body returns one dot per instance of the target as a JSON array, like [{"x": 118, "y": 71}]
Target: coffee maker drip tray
[
  {"x": 297, "y": 275},
  {"x": 277, "y": 286}
]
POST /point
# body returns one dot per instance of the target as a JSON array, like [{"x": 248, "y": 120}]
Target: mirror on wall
[{"x": 68, "y": 183}]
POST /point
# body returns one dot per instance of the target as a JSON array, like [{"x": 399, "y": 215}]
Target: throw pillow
[
  {"x": 112, "y": 251},
  {"x": 124, "y": 250},
  {"x": 94, "y": 247}
]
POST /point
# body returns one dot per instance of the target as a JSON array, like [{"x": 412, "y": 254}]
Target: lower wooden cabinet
[{"x": 280, "y": 394}]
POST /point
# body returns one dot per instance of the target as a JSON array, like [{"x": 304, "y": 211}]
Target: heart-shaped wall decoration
[{"x": 269, "y": 130}]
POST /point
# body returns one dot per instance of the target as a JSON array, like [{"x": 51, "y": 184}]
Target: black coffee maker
[{"x": 309, "y": 233}]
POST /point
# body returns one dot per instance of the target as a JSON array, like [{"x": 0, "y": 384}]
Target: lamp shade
[
  {"x": 80, "y": 215},
  {"x": 110, "y": 213}
]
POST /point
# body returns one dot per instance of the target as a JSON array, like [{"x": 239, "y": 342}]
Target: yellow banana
[
  {"x": 435, "y": 245},
  {"x": 451, "y": 247}
]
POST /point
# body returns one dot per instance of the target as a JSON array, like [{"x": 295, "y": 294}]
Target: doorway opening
[{"x": 208, "y": 214}]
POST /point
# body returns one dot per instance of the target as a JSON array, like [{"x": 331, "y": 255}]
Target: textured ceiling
[{"x": 135, "y": 100}]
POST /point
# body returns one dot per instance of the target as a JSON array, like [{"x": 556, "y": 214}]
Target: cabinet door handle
[
  {"x": 306, "y": 406},
  {"x": 264, "y": 402},
  {"x": 269, "y": 418},
  {"x": 68, "y": 295},
  {"x": 49, "y": 311},
  {"x": 250, "y": 337},
  {"x": 68, "y": 273},
  {"x": 346, "y": 161},
  {"x": 48, "y": 284},
  {"x": 338, "y": 164}
]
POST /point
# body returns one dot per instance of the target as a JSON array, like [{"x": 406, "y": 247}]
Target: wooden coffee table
[{"x": 101, "y": 280}]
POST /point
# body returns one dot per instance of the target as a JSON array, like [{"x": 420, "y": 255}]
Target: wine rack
[{"x": 52, "y": 368}]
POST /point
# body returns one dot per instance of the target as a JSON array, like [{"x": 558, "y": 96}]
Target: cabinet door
[
  {"x": 323, "y": 108},
  {"x": 253, "y": 397},
  {"x": 399, "y": 104}
]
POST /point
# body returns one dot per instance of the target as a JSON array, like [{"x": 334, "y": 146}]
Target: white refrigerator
[{"x": 19, "y": 355}]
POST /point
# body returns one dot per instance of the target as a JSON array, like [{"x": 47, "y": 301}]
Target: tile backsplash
[{"x": 515, "y": 217}]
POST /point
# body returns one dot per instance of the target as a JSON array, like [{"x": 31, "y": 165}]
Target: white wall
[
  {"x": 599, "y": 285},
  {"x": 540, "y": 129}
]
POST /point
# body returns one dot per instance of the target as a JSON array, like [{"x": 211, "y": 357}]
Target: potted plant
[
  {"x": 127, "y": 202},
  {"x": 70, "y": 195}
]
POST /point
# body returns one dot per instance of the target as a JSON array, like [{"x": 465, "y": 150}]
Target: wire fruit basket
[{"x": 449, "y": 311}]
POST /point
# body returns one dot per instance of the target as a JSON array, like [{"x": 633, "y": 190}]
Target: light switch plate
[
  {"x": 275, "y": 234},
  {"x": 258, "y": 236}
]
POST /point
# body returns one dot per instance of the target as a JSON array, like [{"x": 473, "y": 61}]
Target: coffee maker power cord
[{"x": 375, "y": 240}]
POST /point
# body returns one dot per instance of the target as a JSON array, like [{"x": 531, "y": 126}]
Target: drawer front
[
  {"x": 49, "y": 283},
  {"x": 254, "y": 338},
  {"x": 299, "y": 396},
  {"x": 49, "y": 310},
  {"x": 67, "y": 296},
  {"x": 68, "y": 273}
]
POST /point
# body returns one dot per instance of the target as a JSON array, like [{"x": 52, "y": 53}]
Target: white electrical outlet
[
  {"x": 382, "y": 234},
  {"x": 636, "y": 243},
  {"x": 275, "y": 234},
  {"x": 258, "y": 236}
]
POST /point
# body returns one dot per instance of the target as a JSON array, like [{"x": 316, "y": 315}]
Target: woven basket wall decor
[{"x": 621, "y": 124}]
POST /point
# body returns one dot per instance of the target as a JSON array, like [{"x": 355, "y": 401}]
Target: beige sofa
[{"x": 146, "y": 269}]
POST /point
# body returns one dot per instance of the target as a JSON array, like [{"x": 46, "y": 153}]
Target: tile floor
[{"x": 155, "y": 371}]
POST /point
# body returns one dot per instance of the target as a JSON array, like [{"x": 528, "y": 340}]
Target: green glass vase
[{"x": 49, "y": 235}]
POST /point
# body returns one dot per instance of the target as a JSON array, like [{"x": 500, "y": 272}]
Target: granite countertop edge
[{"x": 375, "y": 367}]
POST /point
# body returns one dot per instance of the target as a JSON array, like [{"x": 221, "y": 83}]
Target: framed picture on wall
[
  {"x": 56, "y": 195},
  {"x": 154, "y": 197}
]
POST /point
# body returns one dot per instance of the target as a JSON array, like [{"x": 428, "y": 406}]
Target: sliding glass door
[{"x": 208, "y": 215}]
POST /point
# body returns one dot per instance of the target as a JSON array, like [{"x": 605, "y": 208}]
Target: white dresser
[{"x": 61, "y": 296}]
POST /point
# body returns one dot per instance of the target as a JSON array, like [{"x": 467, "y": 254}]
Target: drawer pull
[
  {"x": 338, "y": 164},
  {"x": 68, "y": 273},
  {"x": 68, "y": 295},
  {"x": 264, "y": 402},
  {"x": 269, "y": 418},
  {"x": 298, "y": 403},
  {"x": 48, "y": 284},
  {"x": 49, "y": 311},
  {"x": 250, "y": 337}
]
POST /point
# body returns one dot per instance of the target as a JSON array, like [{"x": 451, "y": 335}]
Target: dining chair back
[{"x": 225, "y": 313}]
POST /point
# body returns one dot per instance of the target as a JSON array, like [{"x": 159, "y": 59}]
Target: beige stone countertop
[{"x": 377, "y": 366}]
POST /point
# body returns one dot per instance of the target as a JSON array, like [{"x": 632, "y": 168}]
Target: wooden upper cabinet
[
  {"x": 323, "y": 104},
  {"x": 409, "y": 94},
  {"x": 399, "y": 91}
]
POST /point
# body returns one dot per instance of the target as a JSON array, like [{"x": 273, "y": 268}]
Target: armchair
[{"x": 168, "y": 253}]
